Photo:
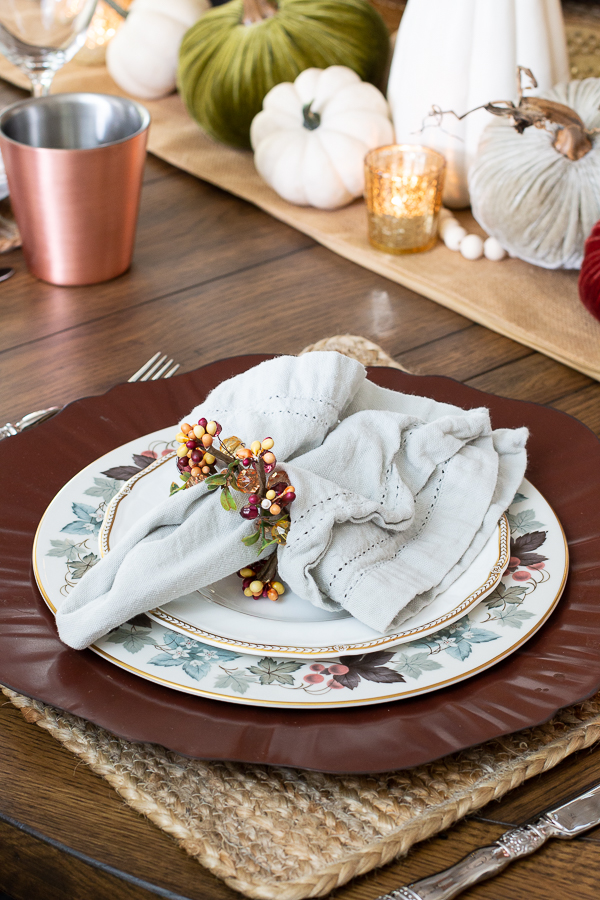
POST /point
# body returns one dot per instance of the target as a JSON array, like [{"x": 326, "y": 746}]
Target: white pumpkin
[
  {"x": 143, "y": 55},
  {"x": 459, "y": 54},
  {"x": 539, "y": 204},
  {"x": 312, "y": 136}
]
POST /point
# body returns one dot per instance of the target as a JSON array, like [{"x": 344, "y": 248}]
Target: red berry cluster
[
  {"x": 319, "y": 671},
  {"x": 194, "y": 456},
  {"x": 248, "y": 470}
]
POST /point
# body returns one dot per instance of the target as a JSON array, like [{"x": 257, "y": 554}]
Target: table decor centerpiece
[
  {"x": 589, "y": 277},
  {"x": 535, "y": 181},
  {"x": 404, "y": 185},
  {"x": 142, "y": 57},
  {"x": 232, "y": 57},
  {"x": 311, "y": 137},
  {"x": 460, "y": 55}
]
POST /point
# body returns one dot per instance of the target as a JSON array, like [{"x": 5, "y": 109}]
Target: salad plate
[
  {"x": 65, "y": 549},
  {"x": 220, "y": 615}
]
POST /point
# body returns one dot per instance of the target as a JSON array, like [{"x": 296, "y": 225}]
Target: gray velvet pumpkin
[{"x": 537, "y": 202}]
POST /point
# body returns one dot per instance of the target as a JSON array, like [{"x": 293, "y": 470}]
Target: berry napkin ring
[{"x": 249, "y": 470}]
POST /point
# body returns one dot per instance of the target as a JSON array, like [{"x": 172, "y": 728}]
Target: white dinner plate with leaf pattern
[
  {"x": 220, "y": 614},
  {"x": 65, "y": 549}
]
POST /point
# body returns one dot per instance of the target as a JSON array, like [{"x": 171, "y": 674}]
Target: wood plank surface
[{"x": 213, "y": 276}]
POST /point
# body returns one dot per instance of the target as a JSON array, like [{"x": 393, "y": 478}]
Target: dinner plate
[
  {"x": 220, "y": 614},
  {"x": 559, "y": 666},
  {"x": 65, "y": 549}
]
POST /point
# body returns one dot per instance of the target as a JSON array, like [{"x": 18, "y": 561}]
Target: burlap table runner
[
  {"x": 286, "y": 834},
  {"x": 537, "y": 307}
]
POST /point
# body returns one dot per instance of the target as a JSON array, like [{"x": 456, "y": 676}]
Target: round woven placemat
[{"x": 287, "y": 834}]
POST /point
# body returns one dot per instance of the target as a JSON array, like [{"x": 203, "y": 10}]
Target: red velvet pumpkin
[{"x": 589, "y": 277}]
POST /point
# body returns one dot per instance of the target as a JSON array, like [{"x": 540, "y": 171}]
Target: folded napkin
[{"x": 395, "y": 497}]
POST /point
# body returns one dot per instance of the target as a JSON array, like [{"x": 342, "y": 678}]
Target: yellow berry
[
  {"x": 267, "y": 443},
  {"x": 198, "y": 431},
  {"x": 256, "y": 587},
  {"x": 269, "y": 457},
  {"x": 275, "y": 510},
  {"x": 270, "y": 495},
  {"x": 209, "y": 459},
  {"x": 248, "y": 592},
  {"x": 212, "y": 427},
  {"x": 277, "y": 585},
  {"x": 182, "y": 450},
  {"x": 181, "y": 437},
  {"x": 246, "y": 573},
  {"x": 255, "y": 447}
]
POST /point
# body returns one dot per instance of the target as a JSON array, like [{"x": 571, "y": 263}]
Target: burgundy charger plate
[{"x": 559, "y": 666}]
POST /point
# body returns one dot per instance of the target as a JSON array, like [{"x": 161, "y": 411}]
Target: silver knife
[
  {"x": 28, "y": 421},
  {"x": 566, "y": 821}
]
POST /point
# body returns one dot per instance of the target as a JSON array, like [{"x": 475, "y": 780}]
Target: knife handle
[{"x": 477, "y": 866}]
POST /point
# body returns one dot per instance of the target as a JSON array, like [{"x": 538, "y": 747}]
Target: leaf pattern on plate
[{"x": 220, "y": 669}]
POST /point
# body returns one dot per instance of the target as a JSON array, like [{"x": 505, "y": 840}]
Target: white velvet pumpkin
[
  {"x": 459, "y": 54},
  {"x": 312, "y": 136},
  {"x": 540, "y": 205},
  {"x": 143, "y": 55}
]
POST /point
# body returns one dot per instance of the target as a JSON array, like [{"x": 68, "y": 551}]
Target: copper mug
[{"x": 74, "y": 164}]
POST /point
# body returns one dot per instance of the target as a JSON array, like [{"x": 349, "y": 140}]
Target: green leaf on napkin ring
[{"x": 249, "y": 470}]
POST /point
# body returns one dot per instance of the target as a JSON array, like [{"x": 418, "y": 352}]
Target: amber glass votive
[{"x": 403, "y": 190}]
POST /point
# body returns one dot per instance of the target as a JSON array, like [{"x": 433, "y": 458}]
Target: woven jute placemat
[
  {"x": 535, "y": 306},
  {"x": 285, "y": 834}
]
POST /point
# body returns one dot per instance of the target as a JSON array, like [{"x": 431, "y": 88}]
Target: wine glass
[{"x": 40, "y": 36}]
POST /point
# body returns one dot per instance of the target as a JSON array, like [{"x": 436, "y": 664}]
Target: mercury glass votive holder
[{"x": 403, "y": 191}]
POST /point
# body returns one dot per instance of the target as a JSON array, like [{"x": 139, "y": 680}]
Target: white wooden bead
[
  {"x": 446, "y": 224},
  {"x": 471, "y": 246},
  {"x": 266, "y": 504},
  {"x": 454, "y": 236},
  {"x": 493, "y": 249}
]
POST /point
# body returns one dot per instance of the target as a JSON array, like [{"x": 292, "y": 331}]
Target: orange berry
[
  {"x": 275, "y": 510},
  {"x": 205, "y": 470},
  {"x": 272, "y": 595},
  {"x": 196, "y": 471},
  {"x": 185, "y": 427},
  {"x": 269, "y": 457},
  {"x": 207, "y": 440}
]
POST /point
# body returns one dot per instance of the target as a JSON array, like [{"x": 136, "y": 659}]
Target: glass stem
[{"x": 41, "y": 79}]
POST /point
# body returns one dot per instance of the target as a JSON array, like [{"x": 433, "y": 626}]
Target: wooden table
[{"x": 213, "y": 276}]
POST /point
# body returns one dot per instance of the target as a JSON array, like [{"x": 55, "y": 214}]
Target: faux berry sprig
[{"x": 249, "y": 470}]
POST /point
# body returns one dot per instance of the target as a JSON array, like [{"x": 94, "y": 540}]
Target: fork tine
[
  {"x": 140, "y": 372},
  {"x": 173, "y": 370},
  {"x": 153, "y": 369},
  {"x": 162, "y": 370}
]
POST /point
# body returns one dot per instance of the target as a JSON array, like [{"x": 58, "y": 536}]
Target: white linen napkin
[{"x": 396, "y": 496}]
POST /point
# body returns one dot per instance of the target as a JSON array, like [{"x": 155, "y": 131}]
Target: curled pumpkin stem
[{"x": 572, "y": 139}]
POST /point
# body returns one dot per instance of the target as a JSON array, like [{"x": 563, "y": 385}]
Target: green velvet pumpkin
[{"x": 227, "y": 67}]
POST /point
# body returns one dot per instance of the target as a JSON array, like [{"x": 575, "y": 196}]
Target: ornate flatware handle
[{"x": 477, "y": 866}]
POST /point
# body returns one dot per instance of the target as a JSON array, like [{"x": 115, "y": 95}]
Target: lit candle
[
  {"x": 403, "y": 190},
  {"x": 105, "y": 23}
]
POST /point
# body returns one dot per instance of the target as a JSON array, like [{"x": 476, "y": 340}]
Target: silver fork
[{"x": 156, "y": 367}]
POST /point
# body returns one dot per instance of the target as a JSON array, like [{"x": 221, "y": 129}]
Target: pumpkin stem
[
  {"x": 312, "y": 119},
  {"x": 257, "y": 11},
  {"x": 572, "y": 138}
]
